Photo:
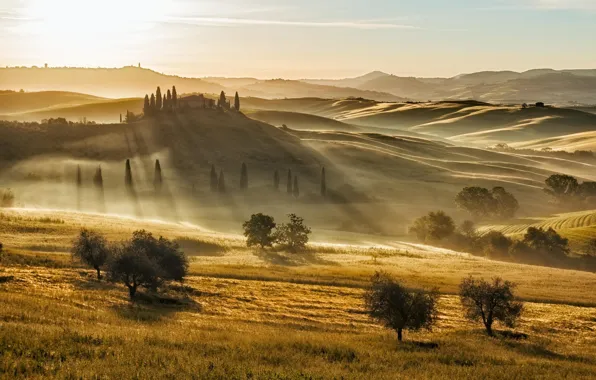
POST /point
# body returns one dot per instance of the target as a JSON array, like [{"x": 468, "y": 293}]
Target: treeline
[
  {"x": 156, "y": 102},
  {"x": 548, "y": 152},
  {"x": 538, "y": 246}
]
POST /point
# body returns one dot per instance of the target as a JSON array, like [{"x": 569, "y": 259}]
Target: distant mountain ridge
[{"x": 564, "y": 87}]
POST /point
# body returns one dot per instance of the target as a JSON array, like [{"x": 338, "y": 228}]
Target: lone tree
[
  {"x": 158, "y": 99},
  {"x": 433, "y": 227},
  {"x": 91, "y": 248},
  {"x": 259, "y": 230},
  {"x": 222, "y": 100},
  {"x": 174, "y": 97},
  {"x": 244, "y": 177},
  {"x": 237, "y": 102},
  {"x": 490, "y": 302},
  {"x": 289, "y": 183},
  {"x": 128, "y": 176},
  {"x": 323, "y": 183},
  {"x": 213, "y": 178},
  {"x": 276, "y": 180},
  {"x": 293, "y": 235},
  {"x": 481, "y": 202},
  {"x": 296, "y": 189},
  {"x": 221, "y": 183},
  {"x": 152, "y": 103},
  {"x": 157, "y": 178},
  {"x": 145, "y": 261},
  {"x": 398, "y": 308}
]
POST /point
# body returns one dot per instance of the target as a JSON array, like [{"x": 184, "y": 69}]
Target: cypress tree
[
  {"x": 221, "y": 184},
  {"x": 79, "y": 186},
  {"x": 128, "y": 176},
  {"x": 169, "y": 96},
  {"x": 296, "y": 190},
  {"x": 174, "y": 97},
  {"x": 157, "y": 179},
  {"x": 244, "y": 177},
  {"x": 98, "y": 184},
  {"x": 164, "y": 102},
  {"x": 323, "y": 183},
  {"x": 289, "y": 184},
  {"x": 222, "y": 99},
  {"x": 276, "y": 180},
  {"x": 158, "y": 99},
  {"x": 146, "y": 107},
  {"x": 152, "y": 102},
  {"x": 237, "y": 102},
  {"x": 214, "y": 180}
]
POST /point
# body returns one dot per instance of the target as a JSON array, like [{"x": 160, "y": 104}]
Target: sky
[{"x": 300, "y": 38}]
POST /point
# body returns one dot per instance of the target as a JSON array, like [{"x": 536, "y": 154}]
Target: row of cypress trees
[
  {"x": 217, "y": 182},
  {"x": 155, "y": 103}
]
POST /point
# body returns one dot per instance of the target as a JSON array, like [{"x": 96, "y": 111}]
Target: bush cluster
[{"x": 261, "y": 230}]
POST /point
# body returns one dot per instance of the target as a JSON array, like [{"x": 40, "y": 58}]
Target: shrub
[
  {"x": 494, "y": 244},
  {"x": 490, "y": 302},
  {"x": 293, "y": 235},
  {"x": 144, "y": 261},
  {"x": 259, "y": 230},
  {"x": 397, "y": 308},
  {"x": 547, "y": 242},
  {"x": 91, "y": 248},
  {"x": 433, "y": 227}
]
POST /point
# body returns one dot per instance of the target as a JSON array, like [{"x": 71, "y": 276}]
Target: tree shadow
[
  {"x": 291, "y": 259},
  {"x": 540, "y": 351},
  {"x": 196, "y": 247},
  {"x": 149, "y": 307}
]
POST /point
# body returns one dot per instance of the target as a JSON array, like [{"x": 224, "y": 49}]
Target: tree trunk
[
  {"x": 132, "y": 290},
  {"x": 399, "y": 334},
  {"x": 98, "y": 273},
  {"x": 489, "y": 328}
]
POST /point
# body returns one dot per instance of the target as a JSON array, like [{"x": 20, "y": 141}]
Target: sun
[{"x": 90, "y": 29}]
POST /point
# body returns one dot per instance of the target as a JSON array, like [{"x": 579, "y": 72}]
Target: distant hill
[
  {"x": 563, "y": 87},
  {"x": 136, "y": 82},
  {"x": 15, "y": 102}
]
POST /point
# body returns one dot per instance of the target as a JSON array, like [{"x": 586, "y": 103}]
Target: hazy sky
[{"x": 301, "y": 38}]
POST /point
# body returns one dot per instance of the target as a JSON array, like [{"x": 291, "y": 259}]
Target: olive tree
[
  {"x": 91, "y": 248},
  {"x": 146, "y": 261},
  {"x": 490, "y": 302},
  {"x": 398, "y": 308},
  {"x": 293, "y": 235},
  {"x": 259, "y": 230}
]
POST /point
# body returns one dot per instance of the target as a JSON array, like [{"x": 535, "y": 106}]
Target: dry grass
[{"x": 62, "y": 323}]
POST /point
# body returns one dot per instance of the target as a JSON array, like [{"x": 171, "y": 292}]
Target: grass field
[{"x": 267, "y": 314}]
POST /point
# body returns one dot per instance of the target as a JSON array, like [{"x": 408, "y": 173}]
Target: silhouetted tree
[
  {"x": 289, "y": 183},
  {"x": 547, "y": 242},
  {"x": 169, "y": 99},
  {"x": 79, "y": 186},
  {"x": 237, "y": 102},
  {"x": 91, "y": 248},
  {"x": 145, "y": 261},
  {"x": 259, "y": 230},
  {"x": 214, "y": 179},
  {"x": 296, "y": 190},
  {"x": 174, "y": 97},
  {"x": 398, "y": 308},
  {"x": 293, "y": 235},
  {"x": 164, "y": 103},
  {"x": 128, "y": 176},
  {"x": 146, "y": 107},
  {"x": 244, "y": 177},
  {"x": 323, "y": 183},
  {"x": 157, "y": 178},
  {"x": 152, "y": 102},
  {"x": 478, "y": 201},
  {"x": 98, "y": 184},
  {"x": 221, "y": 183},
  {"x": 222, "y": 100},
  {"x": 490, "y": 302},
  {"x": 433, "y": 227},
  {"x": 506, "y": 204},
  {"x": 276, "y": 180},
  {"x": 158, "y": 99}
]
